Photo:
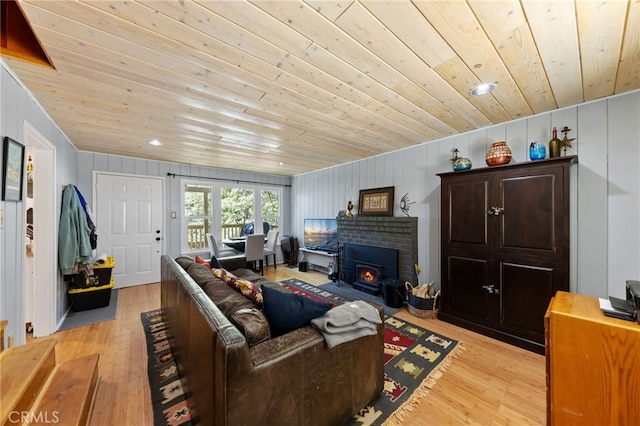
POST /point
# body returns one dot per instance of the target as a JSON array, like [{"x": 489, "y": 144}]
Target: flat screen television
[{"x": 321, "y": 234}]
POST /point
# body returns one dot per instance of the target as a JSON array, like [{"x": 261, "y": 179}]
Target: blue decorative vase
[{"x": 537, "y": 151}]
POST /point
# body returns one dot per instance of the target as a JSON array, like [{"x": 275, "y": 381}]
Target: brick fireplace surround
[{"x": 400, "y": 233}]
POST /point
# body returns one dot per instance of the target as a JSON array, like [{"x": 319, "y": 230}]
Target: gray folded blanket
[{"x": 347, "y": 322}]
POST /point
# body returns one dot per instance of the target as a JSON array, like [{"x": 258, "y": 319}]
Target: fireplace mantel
[{"x": 400, "y": 233}]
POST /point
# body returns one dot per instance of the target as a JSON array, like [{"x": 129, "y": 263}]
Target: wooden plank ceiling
[{"x": 311, "y": 84}]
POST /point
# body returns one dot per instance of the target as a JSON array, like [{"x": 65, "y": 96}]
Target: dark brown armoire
[{"x": 505, "y": 247}]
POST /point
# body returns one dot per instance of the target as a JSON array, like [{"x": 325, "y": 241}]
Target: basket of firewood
[{"x": 423, "y": 300}]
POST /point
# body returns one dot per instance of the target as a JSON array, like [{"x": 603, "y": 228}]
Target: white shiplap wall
[
  {"x": 605, "y": 224},
  {"x": 18, "y": 106},
  {"x": 89, "y": 162}
]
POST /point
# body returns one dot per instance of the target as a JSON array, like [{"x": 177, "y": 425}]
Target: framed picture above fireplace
[{"x": 376, "y": 201}]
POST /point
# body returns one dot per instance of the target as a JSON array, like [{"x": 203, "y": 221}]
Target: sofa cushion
[
  {"x": 244, "y": 273},
  {"x": 199, "y": 273},
  {"x": 253, "y": 324},
  {"x": 289, "y": 311},
  {"x": 242, "y": 312},
  {"x": 184, "y": 261},
  {"x": 247, "y": 288}
]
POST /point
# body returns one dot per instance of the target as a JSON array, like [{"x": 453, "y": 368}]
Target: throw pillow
[
  {"x": 247, "y": 288},
  {"x": 215, "y": 263},
  {"x": 200, "y": 260},
  {"x": 289, "y": 311}
]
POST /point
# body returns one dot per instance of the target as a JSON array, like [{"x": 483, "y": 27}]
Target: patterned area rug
[
  {"x": 167, "y": 396},
  {"x": 414, "y": 358}
]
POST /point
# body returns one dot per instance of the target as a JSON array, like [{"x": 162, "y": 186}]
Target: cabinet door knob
[{"x": 489, "y": 288}]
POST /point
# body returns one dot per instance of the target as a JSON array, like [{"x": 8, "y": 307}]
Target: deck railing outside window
[{"x": 197, "y": 235}]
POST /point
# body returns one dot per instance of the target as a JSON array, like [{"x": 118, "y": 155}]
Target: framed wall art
[
  {"x": 12, "y": 170},
  {"x": 376, "y": 202}
]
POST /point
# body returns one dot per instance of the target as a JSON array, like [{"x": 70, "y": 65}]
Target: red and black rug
[
  {"x": 167, "y": 396},
  {"x": 414, "y": 359}
]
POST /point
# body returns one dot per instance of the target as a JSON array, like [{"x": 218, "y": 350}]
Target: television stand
[{"x": 319, "y": 260}]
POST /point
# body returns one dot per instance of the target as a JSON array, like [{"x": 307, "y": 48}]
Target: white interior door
[
  {"x": 41, "y": 299},
  {"x": 129, "y": 223}
]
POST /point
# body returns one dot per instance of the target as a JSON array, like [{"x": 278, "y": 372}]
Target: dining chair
[
  {"x": 218, "y": 251},
  {"x": 254, "y": 249},
  {"x": 249, "y": 228},
  {"x": 270, "y": 246}
]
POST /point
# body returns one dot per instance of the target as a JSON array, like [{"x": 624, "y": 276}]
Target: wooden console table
[
  {"x": 317, "y": 258},
  {"x": 593, "y": 364}
]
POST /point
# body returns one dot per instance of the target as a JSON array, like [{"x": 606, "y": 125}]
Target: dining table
[{"x": 237, "y": 243}]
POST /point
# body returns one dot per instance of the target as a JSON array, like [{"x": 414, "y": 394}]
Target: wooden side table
[{"x": 593, "y": 364}]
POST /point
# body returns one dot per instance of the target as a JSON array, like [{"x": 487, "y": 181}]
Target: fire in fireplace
[
  {"x": 368, "y": 274},
  {"x": 365, "y": 267}
]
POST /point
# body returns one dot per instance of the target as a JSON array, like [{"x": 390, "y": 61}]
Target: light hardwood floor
[{"x": 489, "y": 383}]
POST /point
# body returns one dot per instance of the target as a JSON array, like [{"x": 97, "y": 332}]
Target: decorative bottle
[
  {"x": 554, "y": 144},
  {"x": 29, "y": 169}
]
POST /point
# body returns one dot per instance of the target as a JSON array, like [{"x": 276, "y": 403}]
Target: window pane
[
  {"x": 237, "y": 210},
  {"x": 196, "y": 233},
  {"x": 271, "y": 207},
  {"x": 197, "y": 200}
]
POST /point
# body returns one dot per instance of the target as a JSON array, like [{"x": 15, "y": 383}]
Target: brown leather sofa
[{"x": 232, "y": 380}]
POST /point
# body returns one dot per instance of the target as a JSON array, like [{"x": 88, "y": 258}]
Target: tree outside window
[
  {"x": 237, "y": 210},
  {"x": 198, "y": 214},
  {"x": 271, "y": 207}
]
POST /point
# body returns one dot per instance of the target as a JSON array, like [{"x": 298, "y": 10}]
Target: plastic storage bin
[
  {"x": 83, "y": 299},
  {"x": 101, "y": 272}
]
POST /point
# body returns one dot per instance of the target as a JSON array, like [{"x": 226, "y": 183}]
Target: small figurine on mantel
[
  {"x": 566, "y": 143},
  {"x": 349, "y": 208}
]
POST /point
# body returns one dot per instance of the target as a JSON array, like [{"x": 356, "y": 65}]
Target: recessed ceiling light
[
  {"x": 281, "y": 163},
  {"x": 482, "y": 89},
  {"x": 155, "y": 142}
]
